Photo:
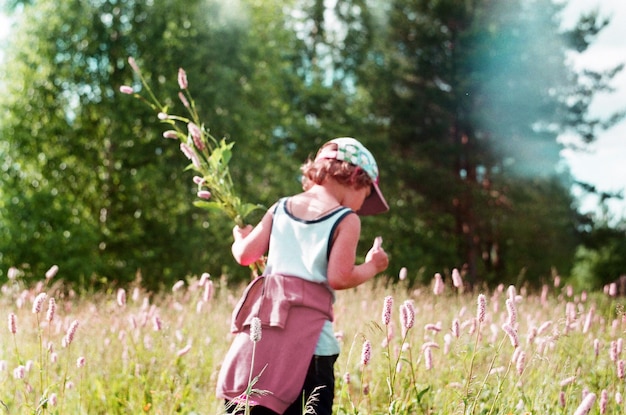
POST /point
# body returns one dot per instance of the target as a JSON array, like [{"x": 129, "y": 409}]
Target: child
[{"x": 311, "y": 240}]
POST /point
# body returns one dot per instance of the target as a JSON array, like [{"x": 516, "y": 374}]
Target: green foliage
[
  {"x": 460, "y": 102},
  {"x": 601, "y": 259},
  {"x": 101, "y": 157},
  {"x": 473, "y": 97}
]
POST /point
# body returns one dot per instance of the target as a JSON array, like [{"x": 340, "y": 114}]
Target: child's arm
[
  {"x": 342, "y": 271},
  {"x": 252, "y": 243}
]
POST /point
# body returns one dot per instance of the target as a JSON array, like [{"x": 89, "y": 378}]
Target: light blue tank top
[{"x": 300, "y": 248}]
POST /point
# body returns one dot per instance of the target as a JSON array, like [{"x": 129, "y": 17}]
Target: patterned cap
[{"x": 352, "y": 151}]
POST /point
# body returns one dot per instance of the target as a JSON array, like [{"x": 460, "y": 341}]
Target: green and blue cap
[{"x": 352, "y": 151}]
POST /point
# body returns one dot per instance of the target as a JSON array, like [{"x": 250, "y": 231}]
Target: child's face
[{"x": 355, "y": 197}]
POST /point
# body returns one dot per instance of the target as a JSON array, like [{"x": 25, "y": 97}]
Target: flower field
[{"x": 421, "y": 350}]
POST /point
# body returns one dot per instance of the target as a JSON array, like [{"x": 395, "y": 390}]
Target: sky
[{"x": 604, "y": 163}]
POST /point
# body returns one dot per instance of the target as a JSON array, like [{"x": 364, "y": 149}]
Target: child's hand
[
  {"x": 241, "y": 233},
  {"x": 377, "y": 255}
]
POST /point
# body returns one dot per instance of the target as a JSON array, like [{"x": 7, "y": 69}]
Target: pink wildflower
[
  {"x": 520, "y": 363},
  {"x": 52, "y": 399},
  {"x": 428, "y": 358},
  {"x": 13, "y": 273},
  {"x": 438, "y": 286},
  {"x": 182, "y": 79},
  {"x": 544, "y": 326},
  {"x": 38, "y": 303},
  {"x": 567, "y": 381},
  {"x": 121, "y": 297},
  {"x": 196, "y": 135},
  {"x": 387, "y": 304},
  {"x": 205, "y": 275},
  {"x": 71, "y": 332},
  {"x": 562, "y": 400},
  {"x": 208, "y": 291},
  {"x": 512, "y": 333},
  {"x": 191, "y": 155},
  {"x": 19, "y": 372},
  {"x": 613, "y": 351},
  {"x": 511, "y": 292},
  {"x": 402, "y": 274},
  {"x": 80, "y": 362},
  {"x": 136, "y": 294},
  {"x": 433, "y": 327},
  {"x": 133, "y": 64},
  {"x": 618, "y": 398},
  {"x": 366, "y": 353},
  {"x": 12, "y": 323},
  {"x": 244, "y": 399},
  {"x": 170, "y": 134},
  {"x": 346, "y": 378},
  {"x": 516, "y": 353},
  {"x": 184, "y": 100},
  {"x": 427, "y": 345},
  {"x": 596, "y": 347},
  {"x": 447, "y": 342},
  {"x": 125, "y": 89},
  {"x": 604, "y": 401},
  {"x": 407, "y": 316},
  {"x": 481, "y": 308},
  {"x": 184, "y": 350},
  {"x": 204, "y": 194},
  {"x": 52, "y": 306},
  {"x": 512, "y": 310},
  {"x": 198, "y": 180},
  {"x": 586, "y": 405},
  {"x": 456, "y": 328},
  {"x": 156, "y": 323},
  {"x": 255, "y": 329},
  {"x": 52, "y": 272},
  {"x": 178, "y": 285},
  {"x": 456, "y": 278}
]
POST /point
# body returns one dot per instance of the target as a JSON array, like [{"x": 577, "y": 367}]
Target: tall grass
[{"x": 404, "y": 350}]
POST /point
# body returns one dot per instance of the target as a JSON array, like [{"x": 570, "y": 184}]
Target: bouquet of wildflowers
[{"x": 209, "y": 157}]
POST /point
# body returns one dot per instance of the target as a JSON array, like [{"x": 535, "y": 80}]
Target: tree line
[{"x": 461, "y": 102}]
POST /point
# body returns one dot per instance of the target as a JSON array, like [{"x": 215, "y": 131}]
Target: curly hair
[{"x": 316, "y": 171}]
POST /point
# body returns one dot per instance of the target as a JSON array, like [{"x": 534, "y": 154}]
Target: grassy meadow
[{"x": 420, "y": 350}]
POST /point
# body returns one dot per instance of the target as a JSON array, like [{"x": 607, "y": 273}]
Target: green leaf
[
  {"x": 248, "y": 208},
  {"x": 210, "y": 206}
]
